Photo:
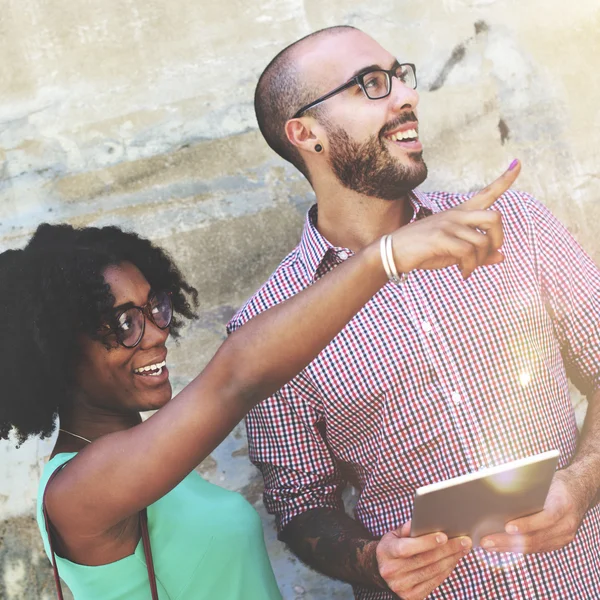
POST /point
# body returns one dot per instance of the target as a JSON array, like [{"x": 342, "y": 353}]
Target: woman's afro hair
[{"x": 52, "y": 291}]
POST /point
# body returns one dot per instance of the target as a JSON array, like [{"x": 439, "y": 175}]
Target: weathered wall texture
[{"x": 140, "y": 114}]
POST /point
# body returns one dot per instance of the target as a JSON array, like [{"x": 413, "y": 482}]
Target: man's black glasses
[{"x": 375, "y": 84}]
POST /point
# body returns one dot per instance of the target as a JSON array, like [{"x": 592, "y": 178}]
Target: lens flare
[
  {"x": 507, "y": 482},
  {"x": 500, "y": 561},
  {"x": 524, "y": 378}
]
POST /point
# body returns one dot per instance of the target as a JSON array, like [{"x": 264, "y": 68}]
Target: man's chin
[
  {"x": 416, "y": 156},
  {"x": 417, "y": 169},
  {"x": 374, "y": 169},
  {"x": 410, "y": 167},
  {"x": 409, "y": 177}
]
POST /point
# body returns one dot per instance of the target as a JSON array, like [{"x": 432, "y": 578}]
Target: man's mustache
[{"x": 409, "y": 117}]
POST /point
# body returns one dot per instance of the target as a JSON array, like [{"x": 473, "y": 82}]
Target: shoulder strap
[
  {"x": 145, "y": 541},
  {"x": 49, "y": 533},
  {"x": 148, "y": 553}
]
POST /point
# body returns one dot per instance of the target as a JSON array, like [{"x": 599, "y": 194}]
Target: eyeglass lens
[
  {"x": 376, "y": 84},
  {"x": 161, "y": 310},
  {"x": 131, "y": 321}
]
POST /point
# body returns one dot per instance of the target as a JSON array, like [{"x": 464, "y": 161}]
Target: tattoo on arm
[{"x": 336, "y": 545}]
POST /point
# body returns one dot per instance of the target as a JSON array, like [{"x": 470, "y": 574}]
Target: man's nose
[{"x": 402, "y": 95}]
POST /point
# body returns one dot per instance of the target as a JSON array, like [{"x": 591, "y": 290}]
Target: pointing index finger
[{"x": 488, "y": 195}]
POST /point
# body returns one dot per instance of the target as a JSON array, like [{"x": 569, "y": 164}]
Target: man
[{"x": 437, "y": 376}]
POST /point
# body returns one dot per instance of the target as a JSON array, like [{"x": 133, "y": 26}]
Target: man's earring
[{"x": 318, "y": 148}]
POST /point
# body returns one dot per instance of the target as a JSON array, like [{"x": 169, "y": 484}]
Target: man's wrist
[
  {"x": 583, "y": 474},
  {"x": 583, "y": 479},
  {"x": 372, "y": 565}
]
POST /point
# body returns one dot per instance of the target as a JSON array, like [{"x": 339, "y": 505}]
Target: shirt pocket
[{"x": 421, "y": 444}]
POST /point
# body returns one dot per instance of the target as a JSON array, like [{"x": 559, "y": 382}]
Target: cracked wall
[{"x": 140, "y": 114}]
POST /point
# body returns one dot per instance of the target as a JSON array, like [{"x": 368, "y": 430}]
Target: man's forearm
[
  {"x": 586, "y": 464},
  {"x": 336, "y": 545}
]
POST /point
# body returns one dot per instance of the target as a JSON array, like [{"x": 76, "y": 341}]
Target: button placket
[{"x": 425, "y": 322}]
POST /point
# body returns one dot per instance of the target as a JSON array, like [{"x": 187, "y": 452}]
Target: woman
[{"x": 84, "y": 318}]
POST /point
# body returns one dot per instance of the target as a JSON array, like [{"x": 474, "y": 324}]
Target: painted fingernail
[
  {"x": 513, "y": 164},
  {"x": 512, "y": 529},
  {"x": 487, "y": 544}
]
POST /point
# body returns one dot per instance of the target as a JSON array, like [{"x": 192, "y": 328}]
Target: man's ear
[{"x": 305, "y": 133}]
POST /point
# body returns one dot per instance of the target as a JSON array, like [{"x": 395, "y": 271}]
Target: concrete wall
[{"x": 139, "y": 113}]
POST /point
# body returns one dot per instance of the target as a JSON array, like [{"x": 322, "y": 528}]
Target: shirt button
[
  {"x": 455, "y": 397},
  {"x": 426, "y": 325},
  {"x": 343, "y": 255}
]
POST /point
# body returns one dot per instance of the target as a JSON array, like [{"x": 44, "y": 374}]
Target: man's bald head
[{"x": 282, "y": 89}]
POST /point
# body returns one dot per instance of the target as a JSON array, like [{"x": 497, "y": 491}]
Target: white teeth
[
  {"x": 404, "y": 135},
  {"x": 154, "y": 367}
]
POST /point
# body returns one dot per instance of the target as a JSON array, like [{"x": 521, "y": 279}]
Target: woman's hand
[{"x": 468, "y": 235}]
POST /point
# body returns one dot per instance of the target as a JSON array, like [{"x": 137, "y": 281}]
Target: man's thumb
[{"x": 404, "y": 531}]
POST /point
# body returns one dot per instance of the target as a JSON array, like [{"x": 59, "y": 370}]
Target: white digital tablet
[{"x": 481, "y": 503}]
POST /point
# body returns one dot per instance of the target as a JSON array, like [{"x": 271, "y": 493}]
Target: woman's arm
[{"x": 123, "y": 472}]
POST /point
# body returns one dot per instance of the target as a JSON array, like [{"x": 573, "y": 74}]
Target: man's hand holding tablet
[
  {"x": 414, "y": 567},
  {"x": 482, "y": 503},
  {"x": 415, "y": 559},
  {"x": 550, "y": 529}
]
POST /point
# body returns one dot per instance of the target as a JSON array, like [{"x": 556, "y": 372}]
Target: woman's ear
[{"x": 305, "y": 134}]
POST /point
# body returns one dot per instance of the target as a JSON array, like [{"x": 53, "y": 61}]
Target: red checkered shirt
[{"x": 438, "y": 377}]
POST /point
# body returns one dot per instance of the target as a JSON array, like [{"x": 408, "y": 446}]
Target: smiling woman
[
  {"x": 63, "y": 291},
  {"x": 92, "y": 310},
  {"x": 139, "y": 368}
]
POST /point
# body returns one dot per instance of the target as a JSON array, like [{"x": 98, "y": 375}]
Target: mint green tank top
[{"x": 207, "y": 544}]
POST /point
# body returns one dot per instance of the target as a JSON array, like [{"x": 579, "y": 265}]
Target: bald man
[{"x": 439, "y": 375}]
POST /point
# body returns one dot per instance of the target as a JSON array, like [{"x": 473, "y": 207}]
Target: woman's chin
[{"x": 157, "y": 401}]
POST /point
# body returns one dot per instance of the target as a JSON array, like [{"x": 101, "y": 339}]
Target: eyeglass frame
[
  {"x": 359, "y": 80},
  {"x": 146, "y": 313}
]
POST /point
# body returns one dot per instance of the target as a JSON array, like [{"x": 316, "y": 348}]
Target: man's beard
[{"x": 370, "y": 169}]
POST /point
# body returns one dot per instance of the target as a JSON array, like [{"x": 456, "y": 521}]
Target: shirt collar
[
  {"x": 422, "y": 204},
  {"x": 313, "y": 246},
  {"x": 315, "y": 249}
]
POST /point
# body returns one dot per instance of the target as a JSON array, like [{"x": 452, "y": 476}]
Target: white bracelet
[
  {"x": 384, "y": 258},
  {"x": 390, "y": 256},
  {"x": 389, "y": 263}
]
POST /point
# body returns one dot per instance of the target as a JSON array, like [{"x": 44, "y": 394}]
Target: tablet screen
[{"x": 481, "y": 503}]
